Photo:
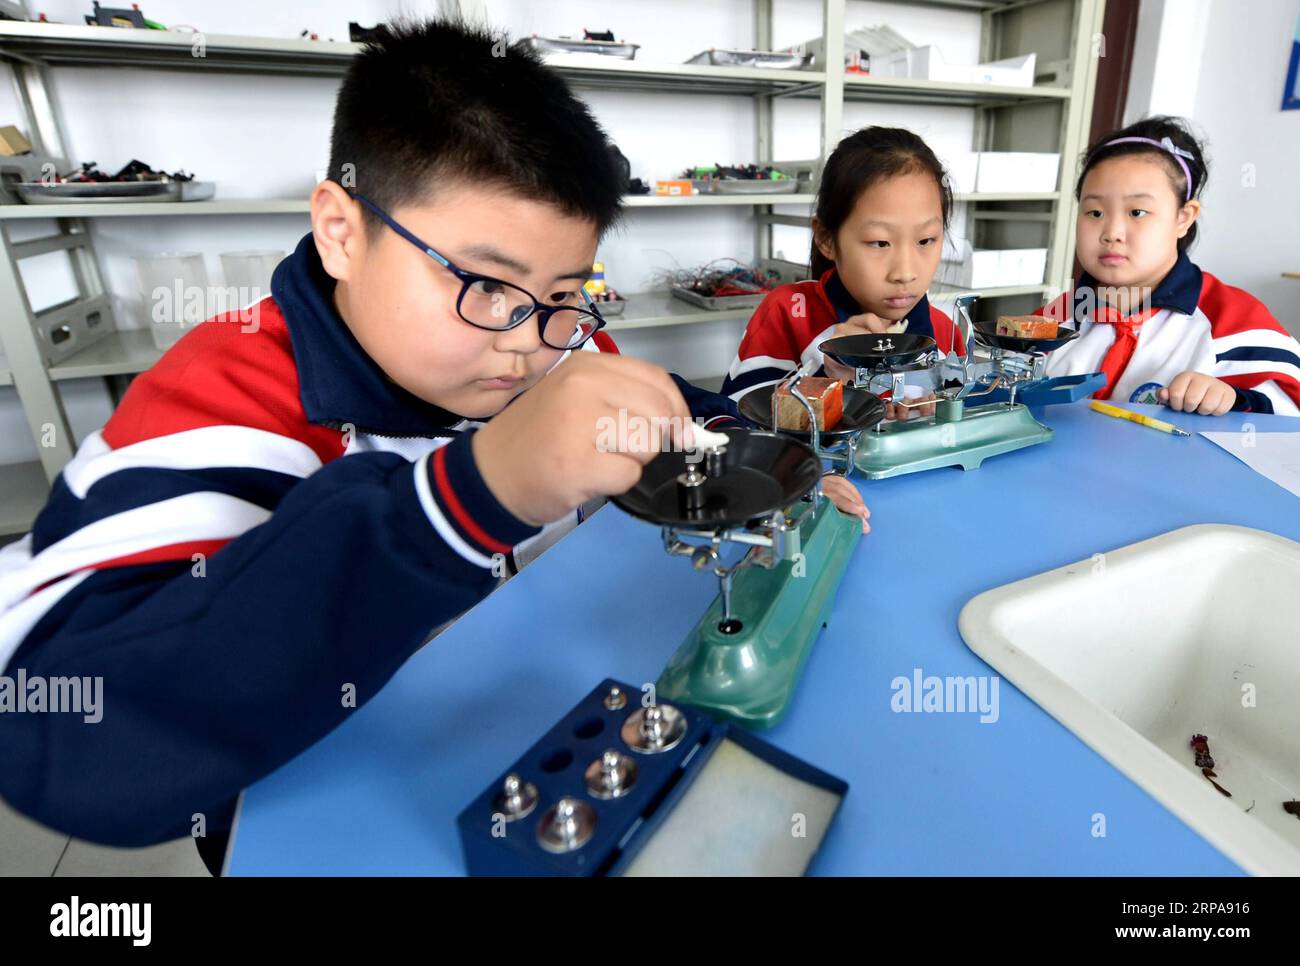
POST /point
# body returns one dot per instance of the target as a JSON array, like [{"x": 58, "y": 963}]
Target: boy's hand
[
  {"x": 540, "y": 456},
  {"x": 867, "y": 323},
  {"x": 846, "y": 498},
  {"x": 1196, "y": 392}
]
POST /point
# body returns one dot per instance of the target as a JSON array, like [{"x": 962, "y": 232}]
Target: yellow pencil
[{"x": 1106, "y": 409}]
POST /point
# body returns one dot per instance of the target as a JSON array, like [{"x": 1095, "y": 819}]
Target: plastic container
[
  {"x": 248, "y": 275},
  {"x": 927, "y": 63},
  {"x": 1017, "y": 171},
  {"x": 176, "y": 293}
]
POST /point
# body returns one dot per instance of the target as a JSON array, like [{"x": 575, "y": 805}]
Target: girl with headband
[{"x": 1161, "y": 329}]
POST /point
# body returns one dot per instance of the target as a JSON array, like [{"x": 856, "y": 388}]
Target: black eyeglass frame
[{"x": 542, "y": 310}]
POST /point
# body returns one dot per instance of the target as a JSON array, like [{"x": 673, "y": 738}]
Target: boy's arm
[
  {"x": 717, "y": 411},
  {"x": 214, "y": 676}
]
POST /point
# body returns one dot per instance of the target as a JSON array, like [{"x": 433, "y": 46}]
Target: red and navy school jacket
[
  {"x": 265, "y": 520},
  {"x": 1201, "y": 325},
  {"x": 793, "y": 320}
]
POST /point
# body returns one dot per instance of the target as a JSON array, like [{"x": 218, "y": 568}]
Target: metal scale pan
[
  {"x": 886, "y": 351},
  {"x": 986, "y": 334},
  {"x": 764, "y": 472},
  {"x": 862, "y": 410}
]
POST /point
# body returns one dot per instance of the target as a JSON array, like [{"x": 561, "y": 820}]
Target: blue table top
[{"x": 929, "y": 793}]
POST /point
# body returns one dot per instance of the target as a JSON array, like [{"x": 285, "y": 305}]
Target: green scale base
[
  {"x": 957, "y": 436},
  {"x": 750, "y": 675}
]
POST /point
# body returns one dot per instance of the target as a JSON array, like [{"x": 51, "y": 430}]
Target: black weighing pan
[
  {"x": 885, "y": 351},
  {"x": 764, "y": 472},
  {"x": 986, "y": 333},
  {"x": 862, "y": 410}
]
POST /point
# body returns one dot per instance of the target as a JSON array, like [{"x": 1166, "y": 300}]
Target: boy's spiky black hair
[
  {"x": 437, "y": 101},
  {"x": 1156, "y": 128}
]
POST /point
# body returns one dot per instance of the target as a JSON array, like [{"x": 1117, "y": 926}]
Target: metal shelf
[
  {"x": 23, "y": 490},
  {"x": 657, "y": 309},
  {"x": 588, "y": 70},
  {"x": 939, "y": 291},
  {"x": 83, "y": 46},
  {"x": 992, "y": 196},
  {"x": 796, "y": 221},
  {"x": 694, "y": 201},
  {"x": 124, "y": 352},
  {"x": 65, "y": 45},
  {"x": 287, "y": 206},
  {"x": 149, "y": 209},
  {"x": 68, "y": 45},
  {"x": 907, "y": 90}
]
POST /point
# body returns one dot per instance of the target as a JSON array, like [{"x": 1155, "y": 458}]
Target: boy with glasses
[{"x": 282, "y": 511}]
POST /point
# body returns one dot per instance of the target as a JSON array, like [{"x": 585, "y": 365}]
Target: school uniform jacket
[
  {"x": 1200, "y": 325},
  {"x": 793, "y": 320},
  {"x": 264, "y": 520}
]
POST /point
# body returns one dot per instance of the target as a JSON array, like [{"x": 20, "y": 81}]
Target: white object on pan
[{"x": 707, "y": 439}]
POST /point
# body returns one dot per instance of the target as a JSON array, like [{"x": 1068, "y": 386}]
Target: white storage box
[
  {"x": 993, "y": 267},
  {"x": 963, "y": 169},
  {"x": 1012, "y": 72},
  {"x": 927, "y": 63},
  {"x": 864, "y": 47},
  {"x": 1017, "y": 171}
]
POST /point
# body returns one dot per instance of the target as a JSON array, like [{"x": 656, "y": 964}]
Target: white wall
[
  {"x": 262, "y": 136},
  {"x": 1223, "y": 64}
]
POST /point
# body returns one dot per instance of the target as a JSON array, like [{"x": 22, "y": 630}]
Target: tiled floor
[{"x": 27, "y": 848}]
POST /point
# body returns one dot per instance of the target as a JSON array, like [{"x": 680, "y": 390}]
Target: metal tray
[
  {"x": 76, "y": 192},
  {"x": 610, "y": 309},
  {"x": 718, "y": 303},
  {"x": 773, "y": 60},
  {"x": 568, "y": 45},
  {"x": 786, "y": 186}
]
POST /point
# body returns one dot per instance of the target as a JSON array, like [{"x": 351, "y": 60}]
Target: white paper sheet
[{"x": 1274, "y": 456}]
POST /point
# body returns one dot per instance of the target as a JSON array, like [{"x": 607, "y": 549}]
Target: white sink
[{"x": 1140, "y": 648}]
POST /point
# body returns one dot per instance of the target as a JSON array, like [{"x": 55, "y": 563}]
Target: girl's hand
[
  {"x": 1196, "y": 392},
  {"x": 866, "y": 323},
  {"x": 846, "y": 498},
  {"x": 838, "y": 372},
  {"x": 895, "y": 411}
]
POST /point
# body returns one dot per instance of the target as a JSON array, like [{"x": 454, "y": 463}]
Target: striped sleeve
[
  {"x": 772, "y": 347},
  {"x": 1253, "y": 353},
  {"x": 226, "y": 575}
]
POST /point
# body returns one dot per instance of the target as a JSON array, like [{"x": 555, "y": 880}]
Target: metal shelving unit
[{"x": 90, "y": 345}]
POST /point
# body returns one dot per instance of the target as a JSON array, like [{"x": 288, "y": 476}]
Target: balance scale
[
  {"x": 750, "y": 510},
  {"x": 749, "y": 507},
  {"x": 1008, "y": 381}
]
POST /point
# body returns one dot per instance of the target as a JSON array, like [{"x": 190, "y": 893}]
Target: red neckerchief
[{"x": 1121, "y": 350}]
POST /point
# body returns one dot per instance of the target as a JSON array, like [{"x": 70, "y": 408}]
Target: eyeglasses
[{"x": 489, "y": 303}]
